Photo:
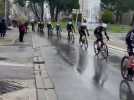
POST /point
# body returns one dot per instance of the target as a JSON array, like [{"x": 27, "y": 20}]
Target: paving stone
[
  {"x": 41, "y": 94},
  {"x": 50, "y": 94},
  {"x": 48, "y": 83},
  {"x": 25, "y": 94},
  {"x": 39, "y": 81}
]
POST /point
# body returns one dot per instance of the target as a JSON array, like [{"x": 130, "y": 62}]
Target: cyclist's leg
[
  {"x": 68, "y": 34},
  {"x": 85, "y": 35},
  {"x": 98, "y": 44},
  {"x": 80, "y": 39},
  {"x": 102, "y": 42},
  {"x": 48, "y": 32},
  {"x": 57, "y": 32},
  {"x": 130, "y": 69},
  {"x": 130, "y": 50}
]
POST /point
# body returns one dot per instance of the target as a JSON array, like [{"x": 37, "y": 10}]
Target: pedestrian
[
  {"x": 3, "y": 28},
  {"x": 22, "y": 30}
]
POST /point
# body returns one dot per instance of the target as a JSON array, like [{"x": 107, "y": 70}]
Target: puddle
[{"x": 7, "y": 86}]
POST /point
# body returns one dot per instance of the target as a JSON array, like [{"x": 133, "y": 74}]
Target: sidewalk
[
  {"x": 23, "y": 75},
  {"x": 45, "y": 89},
  {"x": 10, "y": 38},
  {"x": 16, "y": 69}
]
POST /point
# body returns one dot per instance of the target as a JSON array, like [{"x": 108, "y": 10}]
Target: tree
[
  {"x": 107, "y": 17},
  {"x": 20, "y": 2},
  {"x": 37, "y": 6},
  {"x": 118, "y": 7},
  {"x": 56, "y": 6}
]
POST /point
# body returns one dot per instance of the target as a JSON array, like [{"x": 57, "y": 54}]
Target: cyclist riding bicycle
[
  {"x": 49, "y": 28},
  {"x": 99, "y": 34},
  {"x": 83, "y": 31},
  {"x": 130, "y": 47},
  {"x": 70, "y": 28},
  {"x": 58, "y": 29},
  {"x": 42, "y": 27}
]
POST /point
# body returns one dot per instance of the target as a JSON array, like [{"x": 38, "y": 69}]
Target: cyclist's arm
[
  {"x": 87, "y": 31},
  {"x": 106, "y": 34}
]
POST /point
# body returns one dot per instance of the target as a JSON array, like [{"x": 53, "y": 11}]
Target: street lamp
[
  {"x": 5, "y": 9},
  {"x": 82, "y": 9}
]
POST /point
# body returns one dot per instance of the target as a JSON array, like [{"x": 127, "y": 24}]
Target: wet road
[{"x": 79, "y": 75}]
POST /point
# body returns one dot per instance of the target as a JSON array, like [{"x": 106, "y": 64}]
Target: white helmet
[
  {"x": 49, "y": 22},
  {"x": 104, "y": 25},
  {"x": 69, "y": 22}
]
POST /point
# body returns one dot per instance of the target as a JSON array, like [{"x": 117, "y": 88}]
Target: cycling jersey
[
  {"x": 130, "y": 42},
  {"x": 99, "y": 36},
  {"x": 70, "y": 26},
  {"x": 83, "y": 29},
  {"x": 49, "y": 26},
  {"x": 58, "y": 27},
  {"x": 98, "y": 32}
]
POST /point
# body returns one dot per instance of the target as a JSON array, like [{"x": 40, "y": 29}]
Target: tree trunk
[
  {"x": 35, "y": 11},
  {"x": 120, "y": 19},
  {"x": 132, "y": 22},
  {"x": 52, "y": 12},
  {"x": 56, "y": 14},
  {"x": 52, "y": 7},
  {"x": 42, "y": 11}
]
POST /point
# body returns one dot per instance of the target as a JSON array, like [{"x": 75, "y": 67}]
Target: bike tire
[
  {"x": 125, "y": 94},
  {"x": 95, "y": 48},
  {"x": 72, "y": 38},
  {"x": 124, "y": 70},
  {"x": 105, "y": 52},
  {"x": 86, "y": 43}
]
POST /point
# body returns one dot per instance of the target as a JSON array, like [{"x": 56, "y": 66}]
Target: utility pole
[
  {"x": 82, "y": 9},
  {"x": 5, "y": 2}
]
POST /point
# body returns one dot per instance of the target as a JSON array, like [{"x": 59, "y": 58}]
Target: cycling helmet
[
  {"x": 69, "y": 22},
  {"x": 49, "y": 22},
  {"x": 104, "y": 25}
]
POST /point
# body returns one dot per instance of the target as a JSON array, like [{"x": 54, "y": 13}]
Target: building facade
[{"x": 90, "y": 9}]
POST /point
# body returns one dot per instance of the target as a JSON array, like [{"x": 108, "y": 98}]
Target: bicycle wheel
[
  {"x": 72, "y": 38},
  {"x": 124, "y": 67},
  {"x": 96, "y": 48},
  {"x": 86, "y": 43},
  {"x": 104, "y": 51},
  {"x": 125, "y": 91},
  {"x": 59, "y": 35}
]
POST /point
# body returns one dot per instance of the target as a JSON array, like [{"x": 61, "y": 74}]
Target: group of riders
[
  {"x": 83, "y": 31},
  {"x": 99, "y": 31}
]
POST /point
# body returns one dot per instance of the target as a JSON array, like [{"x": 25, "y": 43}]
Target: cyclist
[
  {"x": 70, "y": 28},
  {"x": 83, "y": 31},
  {"x": 49, "y": 28},
  {"x": 130, "y": 47},
  {"x": 42, "y": 27},
  {"x": 58, "y": 29},
  {"x": 39, "y": 24},
  {"x": 98, "y": 32}
]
